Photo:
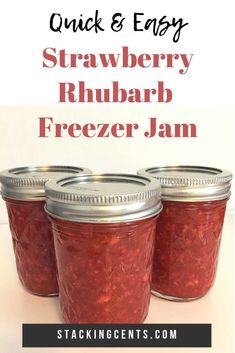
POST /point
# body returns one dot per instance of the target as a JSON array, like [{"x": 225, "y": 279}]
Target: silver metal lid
[
  {"x": 103, "y": 198},
  {"x": 191, "y": 183},
  {"x": 28, "y": 183}
]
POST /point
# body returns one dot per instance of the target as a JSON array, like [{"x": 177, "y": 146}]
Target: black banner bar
[{"x": 116, "y": 335}]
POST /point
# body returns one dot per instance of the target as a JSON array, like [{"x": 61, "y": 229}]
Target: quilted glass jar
[
  {"x": 24, "y": 194},
  {"x": 189, "y": 229},
  {"x": 104, "y": 228}
]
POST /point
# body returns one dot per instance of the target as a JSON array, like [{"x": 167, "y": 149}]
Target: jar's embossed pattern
[
  {"x": 187, "y": 248},
  {"x": 33, "y": 246},
  {"x": 104, "y": 270}
]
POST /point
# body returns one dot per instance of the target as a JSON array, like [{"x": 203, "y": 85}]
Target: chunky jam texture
[
  {"x": 33, "y": 246},
  {"x": 187, "y": 248},
  {"x": 104, "y": 270}
]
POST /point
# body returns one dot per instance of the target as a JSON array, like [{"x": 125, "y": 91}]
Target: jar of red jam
[
  {"x": 189, "y": 229},
  {"x": 24, "y": 193},
  {"x": 104, "y": 228}
]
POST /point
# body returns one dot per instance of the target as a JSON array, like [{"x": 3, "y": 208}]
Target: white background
[
  {"x": 25, "y": 33},
  {"x": 20, "y": 145}
]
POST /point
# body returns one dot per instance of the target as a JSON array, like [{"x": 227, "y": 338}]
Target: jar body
[
  {"x": 104, "y": 270},
  {"x": 187, "y": 248},
  {"x": 33, "y": 246}
]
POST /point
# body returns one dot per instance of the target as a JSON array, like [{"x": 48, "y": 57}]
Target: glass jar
[
  {"x": 24, "y": 193},
  {"x": 104, "y": 228},
  {"x": 189, "y": 229}
]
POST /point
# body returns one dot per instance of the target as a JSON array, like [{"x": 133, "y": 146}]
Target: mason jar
[
  {"x": 189, "y": 229},
  {"x": 24, "y": 193},
  {"x": 104, "y": 228}
]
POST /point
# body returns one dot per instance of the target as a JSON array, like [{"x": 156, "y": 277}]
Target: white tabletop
[{"x": 17, "y": 306}]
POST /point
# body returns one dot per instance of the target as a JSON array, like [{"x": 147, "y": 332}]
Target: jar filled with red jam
[
  {"x": 189, "y": 229},
  {"x": 23, "y": 189},
  {"x": 104, "y": 228}
]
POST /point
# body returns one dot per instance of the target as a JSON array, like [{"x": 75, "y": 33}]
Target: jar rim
[
  {"x": 191, "y": 183},
  {"x": 28, "y": 183},
  {"x": 103, "y": 198}
]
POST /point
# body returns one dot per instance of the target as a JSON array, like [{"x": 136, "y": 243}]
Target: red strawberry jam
[
  {"x": 104, "y": 270},
  {"x": 33, "y": 246},
  {"x": 187, "y": 248}
]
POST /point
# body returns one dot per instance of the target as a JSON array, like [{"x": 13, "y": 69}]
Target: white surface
[{"x": 17, "y": 306}]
